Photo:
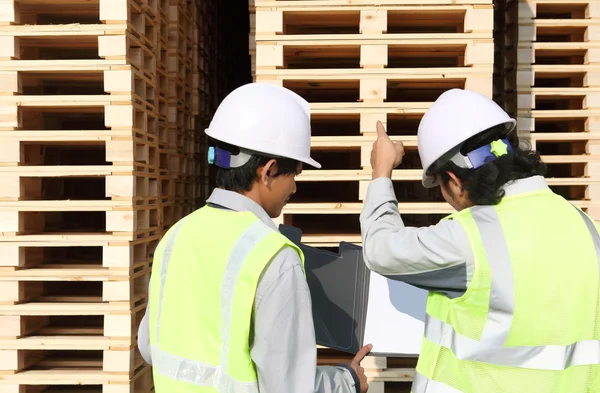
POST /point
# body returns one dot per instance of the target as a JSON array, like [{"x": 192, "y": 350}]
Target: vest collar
[
  {"x": 530, "y": 184},
  {"x": 240, "y": 203}
]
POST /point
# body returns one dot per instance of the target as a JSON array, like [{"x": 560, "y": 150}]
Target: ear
[
  {"x": 266, "y": 172},
  {"x": 456, "y": 183}
]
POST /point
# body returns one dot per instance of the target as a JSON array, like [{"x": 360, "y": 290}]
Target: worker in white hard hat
[
  {"x": 513, "y": 276},
  {"x": 230, "y": 309}
]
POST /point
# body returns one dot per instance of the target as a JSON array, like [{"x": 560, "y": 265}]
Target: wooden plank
[
  {"x": 63, "y": 65},
  {"x": 379, "y": 20},
  {"x": 387, "y": 39},
  {"x": 66, "y": 239},
  {"x": 560, "y": 114},
  {"x": 375, "y": 73},
  {"x": 63, "y": 309},
  {"x": 65, "y": 343},
  {"x": 404, "y": 208},
  {"x": 65, "y": 272},
  {"x": 133, "y": 223},
  {"x": 65, "y": 101},
  {"x": 63, "y": 377},
  {"x": 65, "y": 135},
  {"x": 324, "y": 4},
  {"x": 119, "y": 256},
  {"x": 44, "y": 289},
  {"x": 74, "y": 29},
  {"x": 68, "y": 206},
  {"x": 410, "y": 141}
]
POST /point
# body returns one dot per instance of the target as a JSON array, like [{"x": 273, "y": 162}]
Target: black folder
[{"x": 340, "y": 287}]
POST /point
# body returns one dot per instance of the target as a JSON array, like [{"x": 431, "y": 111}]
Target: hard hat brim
[{"x": 305, "y": 160}]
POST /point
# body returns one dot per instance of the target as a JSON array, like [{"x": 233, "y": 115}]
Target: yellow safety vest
[
  {"x": 205, "y": 274},
  {"x": 530, "y": 319}
]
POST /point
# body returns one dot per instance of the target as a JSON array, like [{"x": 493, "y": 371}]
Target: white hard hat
[
  {"x": 454, "y": 117},
  {"x": 263, "y": 118}
]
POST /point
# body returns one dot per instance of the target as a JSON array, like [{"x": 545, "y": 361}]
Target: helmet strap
[{"x": 483, "y": 154}]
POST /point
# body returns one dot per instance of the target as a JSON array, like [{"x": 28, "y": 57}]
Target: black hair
[
  {"x": 242, "y": 178},
  {"x": 484, "y": 184}
]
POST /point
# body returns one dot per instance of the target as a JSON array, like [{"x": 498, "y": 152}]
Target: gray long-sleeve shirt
[
  {"x": 283, "y": 346},
  {"x": 436, "y": 258}
]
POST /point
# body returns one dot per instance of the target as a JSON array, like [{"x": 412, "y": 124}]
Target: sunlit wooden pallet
[
  {"x": 296, "y": 18},
  {"x": 329, "y": 229},
  {"x": 119, "y": 257},
  {"x": 336, "y": 4},
  {"x": 355, "y": 182},
  {"x": 58, "y": 382},
  {"x": 86, "y": 306},
  {"x": 552, "y": 36},
  {"x": 393, "y": 56},
  {"x": 118, "y": 147},
  {"x": 552, "y": 10},
  {"x": 584, "y": 98},
  {"x": 370, "y": 100},
  {"x": 80, "y": 89},
  {"x": 374, "y": 50},
  {"x": 405, "y": 208},
  {"x": 39, "y": 218},
  {"x": 106, "y": 11},
  {"x": 116, "y": 252},
  {"x": 21, "y": 288},
  {"x": 380, "y": 371},
  {"x": 358, "y": 36},
  {"x": 115, "y": 47},
  {"x": 126, "y": 189},
  {"x": 30, "y": 332},
  {"x": 401, "y": 88},
  {"x": 78, "y": 376},
  {"x": 554, "y": 54}
]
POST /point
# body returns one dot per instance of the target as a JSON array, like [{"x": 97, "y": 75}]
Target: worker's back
[
  {"x": 530, "y": 319},
  {"x": 210, "y": 264}
]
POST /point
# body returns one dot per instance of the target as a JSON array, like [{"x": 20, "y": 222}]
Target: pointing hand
[{"x": 386, "y": 154}]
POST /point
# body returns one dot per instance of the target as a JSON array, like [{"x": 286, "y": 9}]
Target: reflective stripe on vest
[
  {"x": 423, "y": 384},
  {"x": 490, "y": 348},
  {"x": 194, "y": 372}
]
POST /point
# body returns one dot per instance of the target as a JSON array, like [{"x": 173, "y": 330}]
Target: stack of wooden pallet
[
  {"x": 356, "y": 63},
  {"x": 97, "y": 139},
  {"x": 549, "y": 54},
  {"x": 361, "y": 63}
]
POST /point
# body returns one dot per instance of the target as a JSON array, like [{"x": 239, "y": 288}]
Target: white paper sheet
[{"x": 395, "y": 317}]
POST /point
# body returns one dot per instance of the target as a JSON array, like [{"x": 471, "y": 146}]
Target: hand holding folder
[{"x": 353, "y": 306}]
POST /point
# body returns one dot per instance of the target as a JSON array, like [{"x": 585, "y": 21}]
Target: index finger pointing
[
  {"x": 364, "y": 351},
  {"x": 380, "y": 129}
]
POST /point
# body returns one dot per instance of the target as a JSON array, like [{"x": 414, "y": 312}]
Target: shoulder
[
  {"x": 284, "y": 271},
  {"x": 286, "y": 259}
]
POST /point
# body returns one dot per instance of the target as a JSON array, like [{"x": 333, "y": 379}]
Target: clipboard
[{"x": 353, "y": 306}]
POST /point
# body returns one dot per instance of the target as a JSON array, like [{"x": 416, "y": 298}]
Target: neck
[{"x": 254, "y": 195}]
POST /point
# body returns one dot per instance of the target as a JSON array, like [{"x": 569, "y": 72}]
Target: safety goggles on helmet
[
  {"x": 483, "y": 154},
  {"x": 227, "y": 160}
]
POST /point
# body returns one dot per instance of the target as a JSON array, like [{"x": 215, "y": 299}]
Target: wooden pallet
[
  {"x": 49, "y": 330},
  {"x": 358, "y": 63},
  {"x": 338, "y": 4},
  {"x": 87, "y": 136},
  {"x": 89, "y": 380},
  {"x": 390, "y": 375},
  {"x": 549, "y": 57},
  {"x": 370, "y": 48}
]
